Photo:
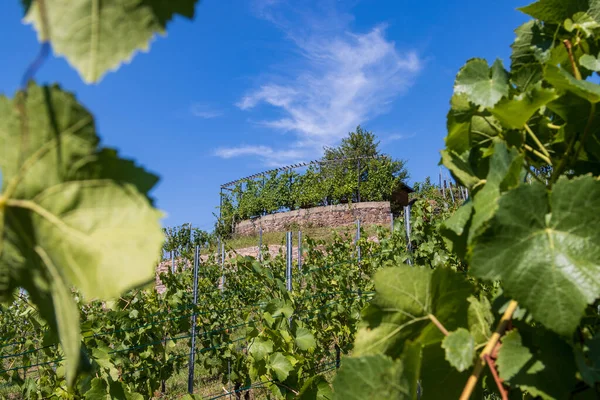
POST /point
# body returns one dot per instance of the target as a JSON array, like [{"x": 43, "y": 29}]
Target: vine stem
[
  {"x": 537, "y": 142},
  {"x": 437, "y": 323},
  {"x": 492, "y": 365},
  {"x": 586, "y": 132},
  {"x": 487, "y": 350},
  {"x": 569, "y": 47},
  {"x": 537, "y": 153},
  {"x": 554, "y": 126}
]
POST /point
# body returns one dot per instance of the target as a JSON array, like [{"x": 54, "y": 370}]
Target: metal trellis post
[
  {"x": 441, "y": 185},
  {"x": 357, "y": 239},
  {"x": 172, "y": 261},
  {"x": 288, "y": 269},
  {"x": 299, "y": 250},
  {"x": 407, "y": 229},
  {"x": 222, "y": 266},
  {"x": 193, "y": 349},
  {"x": 260, "y": 232},
  {"x": 358, "y": 183}
]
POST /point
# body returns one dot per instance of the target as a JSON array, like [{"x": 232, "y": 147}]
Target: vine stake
[{"x": 491, "y": 344}]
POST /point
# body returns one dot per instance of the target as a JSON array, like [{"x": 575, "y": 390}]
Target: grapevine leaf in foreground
[
  {"x": 554, "y": 11},
  {"x": 483, "y": 85},
  {"x": 97, "y": 36},
  {"x": 439, "y": 379},
  {"x": 514, "y": 113},
  {"x": 456, "y": 229},
  {"x": 590, "y": 62},
  {"x": 531, "y": 48},
  {"x": 480, "y": 319},
  {"x": 561, "y": 79},
  {"x": 538, "y": 362},
  {"x": 589, "y": 366},
  {"x": 61, "y": 228},
  {"x": 406, "y": 299},
  {"x": 460, "y": 349},
  {"x": 378, "y": 376},
  {"x": 545, "y": 249},
  {"x": 505, "y": 168},
  {"x": 460, "y": 167}
]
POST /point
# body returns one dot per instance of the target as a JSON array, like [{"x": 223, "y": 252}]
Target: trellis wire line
[
  {"x": 32, "y": 365},
  {"x": 253, "y": 386},
  {"x": 136, "y": 327},
  {"x": 27, "y": 352},
  {"x": 262, "y": 384}
]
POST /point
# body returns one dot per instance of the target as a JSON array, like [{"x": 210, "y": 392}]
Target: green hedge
[{"x": 319, "y": 185}]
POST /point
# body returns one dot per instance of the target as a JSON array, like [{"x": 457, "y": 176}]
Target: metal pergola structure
[
  {"x": 291, "y": 167},
  {"x": 227, "y": 186}
]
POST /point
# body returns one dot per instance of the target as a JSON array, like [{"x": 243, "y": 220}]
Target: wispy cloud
[
  {"x": 397, "y": 136},
  {"x": 205, "y": 111},
  {"x": 343, "y": 78},
  {"x": 270, "y": 156}
]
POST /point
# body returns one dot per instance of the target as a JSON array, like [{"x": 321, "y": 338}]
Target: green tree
[{"x": 363, "y": 160}]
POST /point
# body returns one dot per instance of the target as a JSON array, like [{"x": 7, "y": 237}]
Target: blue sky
[{"x": 250, "y": 84}]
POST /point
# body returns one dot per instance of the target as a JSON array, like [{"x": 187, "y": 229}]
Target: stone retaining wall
[{"x": 369, "y": 213}]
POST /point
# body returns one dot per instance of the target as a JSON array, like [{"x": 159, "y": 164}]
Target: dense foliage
[
  {"x": 248, "y": 335},
  {"x": 354, "y": 171},
  {"x": 525, "y": 144}
]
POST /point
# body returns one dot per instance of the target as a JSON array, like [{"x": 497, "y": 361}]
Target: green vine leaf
[
  {"x": 459, "y": 123},
  {"x": 460, "y": 167},
  {"x": 316, "y": 388},
  {"x": 456, "y": 229},
  {"x": 439, "y": 379},
  {"x": 483, "y": 85},
  {"x": 260, "y": 348},
  {"x": 480, "y": 319},
  {"x": 514, "y": 113},
  {"x": 562, "y": 80},
  {"x": 589, "y": 366},
  {"x": 590, "y": 62},
  {"x": 538, "y": 362},
  {"x": 98, "y": 391},
  {"x": 378, "y": 376},
  {"x": 61, "y": 227},
  {"x": 555, "y": 11},
  {"x": 460, "y": 349},
  {"x": 582, "y": 22},
  {"x": 504, "y": 173},
  {"x": 97, "y": 36},
  {"x": 305, "y": 339},
  {"x": 280, "y": 365},
  {"x": 531, "y": 48},
  {"x": 534, "y": 235},
  {"x": 400, "y": 310}
]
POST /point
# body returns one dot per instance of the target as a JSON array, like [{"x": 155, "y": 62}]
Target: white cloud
[
  {"x": 204, "y": 111},
  {"x": 340, "y": 79},
  {"x": 397, "y": 136},
  {"x": 270, "y": 157}
]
